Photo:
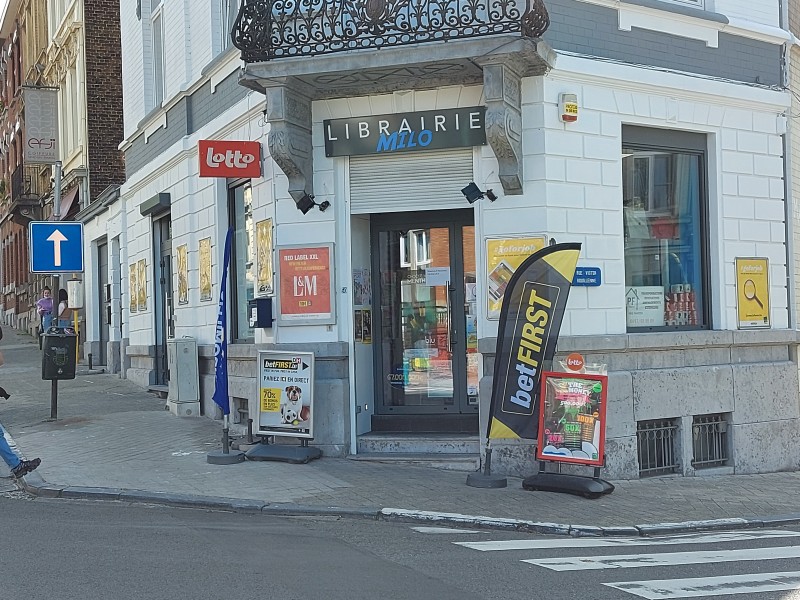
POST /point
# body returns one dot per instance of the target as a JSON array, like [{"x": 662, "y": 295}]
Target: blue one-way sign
[{"x": 56, "y": 247}]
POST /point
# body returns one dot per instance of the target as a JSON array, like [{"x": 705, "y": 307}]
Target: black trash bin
[{"x": 58, "y": 356}]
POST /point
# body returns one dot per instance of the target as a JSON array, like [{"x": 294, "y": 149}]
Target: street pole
[{"x": 56, "y": 217}]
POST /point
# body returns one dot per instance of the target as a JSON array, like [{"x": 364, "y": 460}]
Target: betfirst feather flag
[
  {"x": 530, "y": 320},
  {"x": 220, "y": 396}
]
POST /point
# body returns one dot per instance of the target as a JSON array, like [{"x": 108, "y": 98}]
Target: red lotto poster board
[{"x": 572, "y": 418}]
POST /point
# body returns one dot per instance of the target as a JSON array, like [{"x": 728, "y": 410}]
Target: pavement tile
[{"x": 113, "y": 438}]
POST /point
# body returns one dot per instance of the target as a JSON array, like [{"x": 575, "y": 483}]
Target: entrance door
[
  {"x": 164, "y": 309},
  {"x": 104, "y": 301},
  {"x": 424, "y": 322}
]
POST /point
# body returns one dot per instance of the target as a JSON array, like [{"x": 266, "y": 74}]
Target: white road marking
[
  {"x": 590, "y": 542},
  {"x": 443, "y": 530},
  {"x": 704, "y": 587},
  {"x": 625, "y": 561}
]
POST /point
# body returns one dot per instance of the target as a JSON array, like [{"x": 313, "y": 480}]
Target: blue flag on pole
[{"x": 220, "y": 396}]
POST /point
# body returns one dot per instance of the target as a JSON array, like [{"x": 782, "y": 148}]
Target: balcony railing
[
  {"x": 26, "y": 184},
  {"x": 270, "y": 29}
]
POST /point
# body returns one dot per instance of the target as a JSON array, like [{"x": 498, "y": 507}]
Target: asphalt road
[{"x": 65, "y": 550}]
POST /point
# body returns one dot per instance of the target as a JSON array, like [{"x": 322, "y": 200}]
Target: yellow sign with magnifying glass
[{"x": 752, "y": 293}]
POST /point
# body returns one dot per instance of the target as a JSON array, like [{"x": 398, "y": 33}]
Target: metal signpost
[{"x": 56, "y": 247}]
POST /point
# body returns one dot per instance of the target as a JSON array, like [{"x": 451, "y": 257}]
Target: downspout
[{"x": 786, "y": 139}]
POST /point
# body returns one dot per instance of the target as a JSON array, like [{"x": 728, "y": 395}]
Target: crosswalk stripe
[
  {"x": 704, "y": 587},
  {"x": 625, "y": 561},
  {"x": 560, "y": 543},
  {"x": 443, "y": 530}
]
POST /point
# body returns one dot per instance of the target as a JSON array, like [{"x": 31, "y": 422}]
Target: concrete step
[
  {"x": 453, "y": 452},
  {"x": 466, "y": 463},
  {"x": 425, "y": 443}
]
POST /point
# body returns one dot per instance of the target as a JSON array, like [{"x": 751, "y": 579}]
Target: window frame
[
  {"x": 653, "y": 140},
  {"x": 233, "y": 285},
  {"x": 226, "y": 20},
  {"x": 159, "y": 90}
]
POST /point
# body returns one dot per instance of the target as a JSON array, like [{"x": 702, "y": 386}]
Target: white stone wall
[
  {"x": 133, "y": 63},
  {"x": 573, "y": 187},
  {"x": 198, "y": 210},
  {"x": 766, "y": 12}
]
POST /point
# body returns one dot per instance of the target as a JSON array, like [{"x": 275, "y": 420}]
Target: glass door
[{"x": 421, "y": 308}]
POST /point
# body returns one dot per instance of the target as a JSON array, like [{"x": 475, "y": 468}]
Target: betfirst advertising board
[
  {"x": 286, "y": 394},
  {"x": 225, "y": 158}
]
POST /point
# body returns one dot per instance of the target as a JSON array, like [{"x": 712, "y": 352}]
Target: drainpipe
[{"x": 786, "y": 139}]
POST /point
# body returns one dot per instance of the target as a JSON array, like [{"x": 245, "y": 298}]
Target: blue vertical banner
[{"x": 220, "y": 396}]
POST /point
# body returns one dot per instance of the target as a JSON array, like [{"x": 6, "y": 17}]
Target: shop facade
[{"x": 356, "y": 225}]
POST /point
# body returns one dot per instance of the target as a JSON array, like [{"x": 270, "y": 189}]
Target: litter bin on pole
[{"x": 58, "y": 356}]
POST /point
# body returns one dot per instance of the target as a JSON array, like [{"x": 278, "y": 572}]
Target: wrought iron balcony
[
  {"x": 269, "y": 29},
  {"x": 27, "y": 189}
]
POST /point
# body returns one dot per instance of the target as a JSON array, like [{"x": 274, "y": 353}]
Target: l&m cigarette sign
[{"x": 406, "y": 132}]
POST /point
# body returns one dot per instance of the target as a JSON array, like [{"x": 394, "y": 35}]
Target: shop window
[
  {"x": 242, "y": 274},
  {"x": 665, "y": 233}
]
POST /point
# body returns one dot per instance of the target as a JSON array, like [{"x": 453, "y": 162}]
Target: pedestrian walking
[
  {"x": 18, "y": 466},
  {"x": 64, "y": 311},
  {"x": 44, "y": 306}
]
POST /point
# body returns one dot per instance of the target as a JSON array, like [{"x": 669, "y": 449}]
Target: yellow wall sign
[
  {"x": 752, "y": 293},
  {"x": 270, "y": 400},
  {"x": 503, "y": 256}
]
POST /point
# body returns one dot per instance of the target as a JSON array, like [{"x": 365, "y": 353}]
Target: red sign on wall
[
  {"x": 306, "y": 284},
  {"x": 225, "y": 158}
]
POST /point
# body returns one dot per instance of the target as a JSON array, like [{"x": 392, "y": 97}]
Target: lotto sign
[
  {"x": 222, "y": 158},
  {"x": 286, "y": 394},
  {"x": 305, "y": 285}
]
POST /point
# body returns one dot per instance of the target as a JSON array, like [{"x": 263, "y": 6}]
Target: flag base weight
[
  {"x": 579, "y": 485},
  {"x": 283, "y": 453},
  {"x": 482, "y": 480},
  {"x": 220, "y": 457},
  {"x": 486, "y": 479}
]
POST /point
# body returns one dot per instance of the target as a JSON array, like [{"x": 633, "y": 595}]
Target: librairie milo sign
[{"x": 406, "y": 132}]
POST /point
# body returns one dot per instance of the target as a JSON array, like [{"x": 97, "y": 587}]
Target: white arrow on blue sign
[{"x": 56, "y": 247}]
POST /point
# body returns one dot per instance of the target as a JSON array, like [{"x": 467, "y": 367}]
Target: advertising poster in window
[
  {"x": 133, "y": 283},
  {"x": 183, "y": 274},
  {"x": 265, "y": 284},
  {"x": 286, "y": 394},
  {"x": 644, "y": 306},
  {"x": 572, "y": 420},
  {"x": 305, "y": 285},
  {"x": 142, "y": 285},
  {"x": 752, "y": 293},
  {"x": 503, "y": 256},
  {"x": 205, "y": 269}
]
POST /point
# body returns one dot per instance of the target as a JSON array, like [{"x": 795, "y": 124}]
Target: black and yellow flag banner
[{"x": 530, "y": 319}]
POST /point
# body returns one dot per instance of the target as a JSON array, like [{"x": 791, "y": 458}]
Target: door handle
[{"x": 451, "y": 332}]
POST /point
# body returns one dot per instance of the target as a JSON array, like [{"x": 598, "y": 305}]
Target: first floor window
[
  {"x": 664, "y": 215},
  {"x": 242, "y": 273}
]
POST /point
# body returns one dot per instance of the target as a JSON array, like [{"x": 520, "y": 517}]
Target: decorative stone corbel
[
  {"x": 502, "y": 90},
  {"x": 290, "y": 145}
]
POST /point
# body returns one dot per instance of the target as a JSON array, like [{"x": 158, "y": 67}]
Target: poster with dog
[{"x": 286, "y": 398}]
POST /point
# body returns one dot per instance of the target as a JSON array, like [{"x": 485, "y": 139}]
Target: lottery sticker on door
[{"x": 305, "y": 275}]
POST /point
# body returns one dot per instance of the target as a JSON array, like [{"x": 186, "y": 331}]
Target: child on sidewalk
[{"x": 18, "y": 466}]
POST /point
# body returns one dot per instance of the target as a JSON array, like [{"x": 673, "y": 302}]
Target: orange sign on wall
[{"x": 306, "y": 284}]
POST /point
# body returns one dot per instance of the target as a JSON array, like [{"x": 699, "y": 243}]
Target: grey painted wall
[
  {"x": 594, "y": 30},
  {"x": 186, "y": 117}
]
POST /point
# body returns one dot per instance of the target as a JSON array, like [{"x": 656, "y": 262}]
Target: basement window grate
[
  {"x": 656, "y": 447},
  {"x": 709, "y": 441}
]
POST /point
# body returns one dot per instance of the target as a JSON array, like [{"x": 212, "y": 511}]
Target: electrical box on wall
[
  {"x": 259, "y": 312},
  {"x": 568, "y": 107},
  {"x": 75, "y": 293}
]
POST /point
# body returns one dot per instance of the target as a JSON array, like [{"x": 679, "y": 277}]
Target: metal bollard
[
  {"x": 249, "y": 431},
  {"x": 90, "y": 361}
]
